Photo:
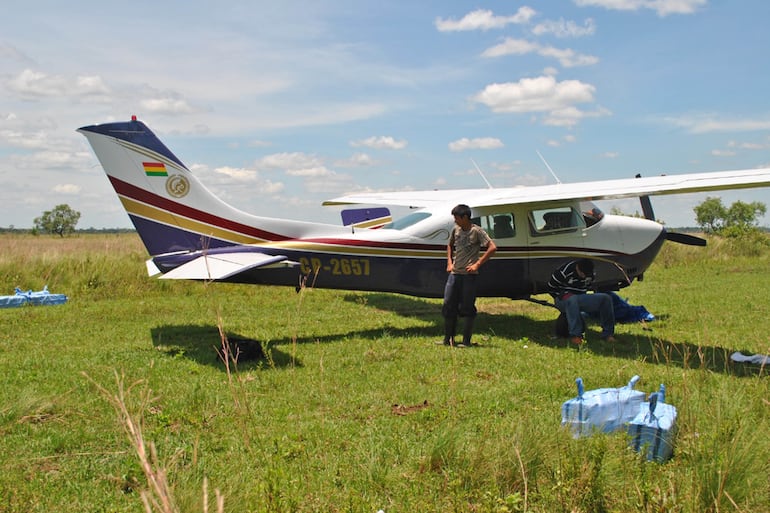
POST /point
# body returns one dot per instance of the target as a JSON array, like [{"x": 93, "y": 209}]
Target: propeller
[{"x": 681, "y": 238}]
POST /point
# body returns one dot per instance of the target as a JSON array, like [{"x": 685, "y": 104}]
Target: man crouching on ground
[{"x": 569, "y": 285}]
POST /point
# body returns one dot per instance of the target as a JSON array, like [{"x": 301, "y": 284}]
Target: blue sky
[{"x": 277, "y": 106}]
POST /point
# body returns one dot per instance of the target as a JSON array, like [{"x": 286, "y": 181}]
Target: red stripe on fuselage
[
  {"x": 139, "y": 194},
  {"x": 377, "y": 244}
]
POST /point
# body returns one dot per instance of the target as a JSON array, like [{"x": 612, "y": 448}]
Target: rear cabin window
[
  {"x": 554, "y": 220},
  {"x": 497, "y": 226}
]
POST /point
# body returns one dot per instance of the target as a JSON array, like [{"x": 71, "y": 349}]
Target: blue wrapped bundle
[
  {"x": 42, "y": 297},
  {"x": 12, "y": 301},
  {"x": 602, "y": 409},
  {"x": 654, "y": 428}
]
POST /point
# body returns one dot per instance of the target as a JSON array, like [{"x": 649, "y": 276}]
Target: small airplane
[{"x": 191, "y": 234}]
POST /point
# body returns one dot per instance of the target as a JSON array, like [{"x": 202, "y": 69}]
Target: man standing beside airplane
[
  {"x": 569, "y": 286},
  {"x": 463, "y": 262}
]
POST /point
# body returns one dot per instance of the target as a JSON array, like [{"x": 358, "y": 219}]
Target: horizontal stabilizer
[
  {"x": 152, "y": 269},
  {"x": 221, "y": 266}
]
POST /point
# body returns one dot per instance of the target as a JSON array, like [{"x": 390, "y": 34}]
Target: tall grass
[{"x": 352, "y": 407}]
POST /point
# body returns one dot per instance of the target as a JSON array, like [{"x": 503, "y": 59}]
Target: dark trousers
[
  {"x": 459, "y": 300},
  {"x": 460, "y": 295}
]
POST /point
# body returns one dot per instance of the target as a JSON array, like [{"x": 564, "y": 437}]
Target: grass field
[{"x": 119, "y": 400}]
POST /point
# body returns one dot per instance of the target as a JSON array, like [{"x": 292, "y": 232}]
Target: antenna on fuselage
[
  {"x": 549, "y": 167},
  {"x": 482, "y": 174}
]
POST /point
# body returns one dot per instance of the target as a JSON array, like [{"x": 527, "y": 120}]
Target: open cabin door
[{"x": 555, "y": 234}]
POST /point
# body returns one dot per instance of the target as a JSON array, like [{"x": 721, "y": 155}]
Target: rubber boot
[
  {"x": 468, "y": 330},
  {"x": 450, "y": 326}
]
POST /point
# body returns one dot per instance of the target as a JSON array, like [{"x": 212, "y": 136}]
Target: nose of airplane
[{"x": 629, "y": 235}]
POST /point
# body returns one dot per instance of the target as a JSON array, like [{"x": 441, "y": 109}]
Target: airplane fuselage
[
  {"x": 413, "y": 260},
  {"x": 192, "y": 234}
]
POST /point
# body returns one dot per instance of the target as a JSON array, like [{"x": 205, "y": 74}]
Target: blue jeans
[
  {"x": 460, "y": 296},
  {"x": 592, "y": 303}
]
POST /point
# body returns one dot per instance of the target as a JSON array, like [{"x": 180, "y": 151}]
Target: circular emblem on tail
[{"x": 177, "y": 186}]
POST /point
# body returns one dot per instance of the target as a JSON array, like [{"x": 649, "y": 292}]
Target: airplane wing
[
  {"x": 225, "y": 265},
  {"x": 413, "y": 199},
  {"x": 596, "y": 190}
]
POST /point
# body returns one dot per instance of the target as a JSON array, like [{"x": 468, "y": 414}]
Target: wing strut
[{"x": 681, "y": 238}]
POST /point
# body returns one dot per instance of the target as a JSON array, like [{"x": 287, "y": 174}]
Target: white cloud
[
  {"x": 90, "y": 85},
  {"x": 167, "y": 105},
  {"x": 381, "y": 143},
  {"x": 317, "y": 171},
  {"x": 10, "y": 52},
  {"x": 561, "y": 28},
  {"x": 356, "y": 160},
  {"x": 482, "y": 19},
  {"x": 751, "y": 146},
  {"x": 661, "y": 7},
  {"x": 556, "y": 100},
  {"x": 19, "y": 139},
  {"x": 566, "y": 56},
  {"x": 239, "y": 174},
  {"x": 701, "y": 124},
  {"x": 479, "y": 143},
  {"x": 440, "y": 182},
  {"x": 295, "y": 160},
  {"x": 67, "y": 188},
  {"x": 327, "y": 183},
  {"x": 36, "y": 84},
  {"x": 227, "y": 179},
  {"x": 571, "y": 115},
  {"x": 511, "y": 47},
  {"x": 50, "y": 159},
  {"x": 541, "y": 94}
]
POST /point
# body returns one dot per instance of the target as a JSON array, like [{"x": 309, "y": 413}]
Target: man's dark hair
[
  {"x": 462, "y": 211},
  {"x": 586, "y": 266}
]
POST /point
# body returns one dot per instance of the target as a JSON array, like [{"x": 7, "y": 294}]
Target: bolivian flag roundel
[{"x": 155, "y": 168}]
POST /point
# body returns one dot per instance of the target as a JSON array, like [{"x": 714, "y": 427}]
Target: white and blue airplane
[{"x": 191, "y": 234}]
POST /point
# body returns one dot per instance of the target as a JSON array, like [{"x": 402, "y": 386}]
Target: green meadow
[{"x": 128, "y": 398}]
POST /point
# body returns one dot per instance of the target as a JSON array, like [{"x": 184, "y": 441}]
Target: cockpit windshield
[
  {"x": 591, "y": 213},
  {"x": 406, "y": 221}
]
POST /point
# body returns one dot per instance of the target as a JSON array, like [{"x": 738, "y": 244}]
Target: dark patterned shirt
[{"x": 566, "y": 280}]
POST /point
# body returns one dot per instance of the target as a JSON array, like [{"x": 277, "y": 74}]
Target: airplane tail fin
[{"x": 170, "y": 208}]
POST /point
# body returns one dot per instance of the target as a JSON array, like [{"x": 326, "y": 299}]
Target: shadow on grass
[
  {"x": 651, "y": 348},
  {"x": 200, "y": 342},
  {"x": 203, "y": 344}
]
